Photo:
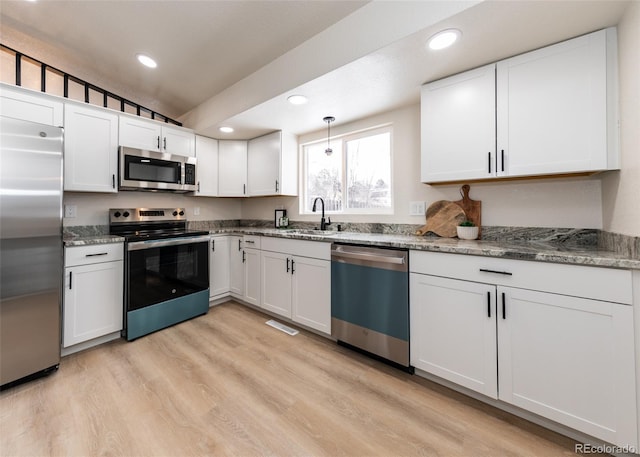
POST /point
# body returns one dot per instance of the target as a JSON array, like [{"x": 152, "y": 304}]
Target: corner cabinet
[
  {"x": 272, "y": 165},
  {"x": 136, "y": 132},
  {"x": 207, "y": 169},
  {"x": 232, "y": 168},
  {"x": 556, "y": 340},
  {"x": 93, "y": 292},
  {"x": 91, "y": 149},
  {"x": 549, "y": 111}
]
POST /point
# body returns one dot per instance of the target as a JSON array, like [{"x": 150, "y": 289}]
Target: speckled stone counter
[
  {"x": 544, "y": 251},
  {"x": 91, "y": 239},
  {"x": 571, "y": 246}
]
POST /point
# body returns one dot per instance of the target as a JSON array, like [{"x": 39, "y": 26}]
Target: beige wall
[
  {"x": 621, "y": 190},
  {"x": 93, "y": 209},
  {"x": 574, "y": 202}
]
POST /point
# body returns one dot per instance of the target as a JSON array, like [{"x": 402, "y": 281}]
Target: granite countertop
[
  {"x": 91, "y": 240},
  {"x": 532, "y": 250},
  {"x": 542, "y": 251}
]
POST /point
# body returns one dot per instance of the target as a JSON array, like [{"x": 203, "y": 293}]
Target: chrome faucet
[{"x": 323, "y": 223}]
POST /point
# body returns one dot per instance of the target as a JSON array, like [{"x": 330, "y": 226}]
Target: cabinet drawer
[
  {"x": 251, "y": 241},
  {"x": 98, "y": 253},
  {"x": 605, "y": 284},
  {"x": 302, "y": 248}
]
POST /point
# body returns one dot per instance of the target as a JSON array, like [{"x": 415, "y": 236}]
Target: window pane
[
  {"x": 324, "y": 176},
  {"x": 369, "y": 172}
]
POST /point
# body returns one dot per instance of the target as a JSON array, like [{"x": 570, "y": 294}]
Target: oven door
[{"x": 163, "y": 270}]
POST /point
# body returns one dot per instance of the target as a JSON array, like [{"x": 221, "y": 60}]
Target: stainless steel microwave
[{"x": 150, "y": 170}]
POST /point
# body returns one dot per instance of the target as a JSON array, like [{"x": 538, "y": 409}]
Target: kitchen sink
[{"x": 311, "y": 232}]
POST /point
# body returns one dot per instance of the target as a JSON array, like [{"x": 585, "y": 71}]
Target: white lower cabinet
[
  {"x": 219, "y": 267},
  {"x": 296, "y": 286},
  {"x": 567, "y": 358},
  {"x": 93, "y": 292},
  {"x": 236, "y": 267},
  {"x": 252, "y": 276},
  {"x": 453, "y": 331}
]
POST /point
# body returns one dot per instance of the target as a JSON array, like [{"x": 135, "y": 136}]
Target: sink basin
[{"x": 312, "y": 232}]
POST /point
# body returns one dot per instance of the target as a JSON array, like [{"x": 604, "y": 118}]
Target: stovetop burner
[{"x": 138, "y": 224}]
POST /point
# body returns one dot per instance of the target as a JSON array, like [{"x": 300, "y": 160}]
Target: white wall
[
  {"x": 621, "y": 190},
  {"x": 93, "y": 209},
  {"x": 567, "y": 202}
]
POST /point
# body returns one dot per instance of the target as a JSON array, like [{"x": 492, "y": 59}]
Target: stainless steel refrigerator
[{"x": 30, "y": 248}]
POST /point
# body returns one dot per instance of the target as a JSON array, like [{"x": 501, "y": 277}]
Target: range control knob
[
  {"x": 126, "y": 214},
  {"x": 175, "y": 213},
  {"x": 116, "y": 214},
  {"x": 181, "y": 213}
]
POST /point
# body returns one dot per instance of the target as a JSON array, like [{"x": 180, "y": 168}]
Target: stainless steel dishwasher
[{"x": 370, "y": 301}]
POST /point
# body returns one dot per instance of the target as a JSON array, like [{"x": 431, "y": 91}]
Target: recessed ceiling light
[
  {"x": 226, "y": 129},
  {"x": 146, "y": 61},
  {"x": 297, "y": 99},
  {"x": 444, "y": 39}
]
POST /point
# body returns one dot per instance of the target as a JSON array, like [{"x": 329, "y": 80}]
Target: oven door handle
[{"x": 150, "y": 244}]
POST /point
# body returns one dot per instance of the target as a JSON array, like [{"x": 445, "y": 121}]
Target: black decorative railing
[{"x": 45, "y": 69}]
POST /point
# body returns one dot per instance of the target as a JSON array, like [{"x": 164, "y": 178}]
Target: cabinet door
[
  {"x": 458, "y": 127},
  {"x": 453, "y": 331},
  {"x": 207, "y": 169},
  {"x": 139, "y": 133},
  {"x": 179, "y": 141},
  {"x": 236, "y": 280},
  {"x": 276, "y": 283},
  {"x": 91, "y": 149},
  {"x": 263, "y": 165},
  {"x": 552, "y": 108},
  {"x": 252, "y": 276},
  {"x": 93, "y": 304},
  {"x": 311, "y": 293},
  {"x": 30, "y": 106},
  {"x": 232, "y": 168},
  {"x": 570, "y": 360},
  {"x": 219, "y": 267}
]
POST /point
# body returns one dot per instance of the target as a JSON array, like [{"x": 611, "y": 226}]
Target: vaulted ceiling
[{"x": 234, "y": 62}]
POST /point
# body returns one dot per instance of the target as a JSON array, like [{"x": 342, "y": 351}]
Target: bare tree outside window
[{"x": 356, "y": 178}]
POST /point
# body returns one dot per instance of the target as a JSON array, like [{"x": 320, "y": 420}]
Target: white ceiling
[{"x": 234, "y": 62}]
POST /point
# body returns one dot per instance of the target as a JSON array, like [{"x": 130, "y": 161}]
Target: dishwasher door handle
[{"x": 374, "y": 258}]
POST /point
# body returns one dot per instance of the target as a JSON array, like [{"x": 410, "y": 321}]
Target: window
[{"x": 355, "y": 178}]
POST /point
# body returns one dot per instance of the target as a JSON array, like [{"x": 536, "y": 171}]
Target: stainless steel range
[{"x": 166, "y": 268}]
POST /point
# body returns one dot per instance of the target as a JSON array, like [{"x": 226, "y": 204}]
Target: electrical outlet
[
  {"x": 416, "y": 208},
  {"x": 196, "y": 211},
  {"x": 70, "y": 210}
]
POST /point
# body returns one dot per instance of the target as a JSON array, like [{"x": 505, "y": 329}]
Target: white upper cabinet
[
  {"x": 90, "y": 149},
  {"x": 552, "y": 108},
  {"x": 458, "y": 127},
  {"x": 207, "y": 169},
  {"x": 151, "y": 135},
  {"x": 549, "y": 111},
  {"x": 27, "y": 105},
  {"x": 232, "y": 168},
  {"x": 272, "y": 165}
]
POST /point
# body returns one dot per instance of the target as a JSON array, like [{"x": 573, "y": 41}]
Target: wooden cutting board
[
  {"x": 472, "y": 208},
  {"x": 442, "y": 219}
]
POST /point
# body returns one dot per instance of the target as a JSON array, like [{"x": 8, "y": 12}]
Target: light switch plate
[
  {"x": 196, "y": 211},
  {"x": 417, "y": 208},
  {"x": 70, "y": 210}
]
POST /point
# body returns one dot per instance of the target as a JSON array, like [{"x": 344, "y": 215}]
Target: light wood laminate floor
[{"x": 226, "y": 384}]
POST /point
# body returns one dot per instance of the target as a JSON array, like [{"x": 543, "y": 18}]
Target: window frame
[{"x": 343, "y": 139}]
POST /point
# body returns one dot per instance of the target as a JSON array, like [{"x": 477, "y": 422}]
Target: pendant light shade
[{"x": 328, "y": 120}]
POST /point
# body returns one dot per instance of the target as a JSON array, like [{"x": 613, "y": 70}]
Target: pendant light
[{"x": 328, "y": 120}]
